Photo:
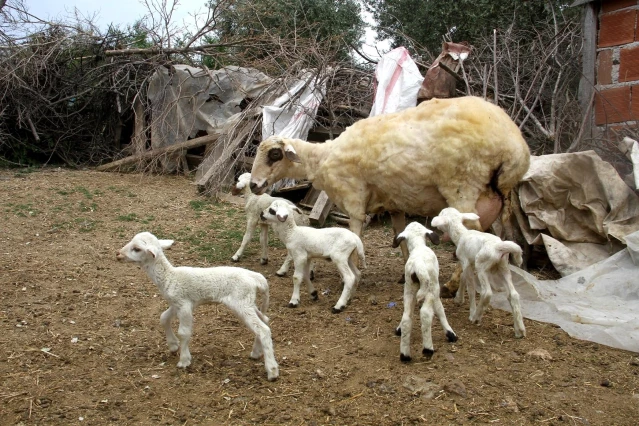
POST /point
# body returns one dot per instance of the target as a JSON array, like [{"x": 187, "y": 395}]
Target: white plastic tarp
[
  {"x": 598, "y": 304},
  {"x": 398, "y": 81}
]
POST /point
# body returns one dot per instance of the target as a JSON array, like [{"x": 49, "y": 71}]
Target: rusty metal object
[{"x": 442, "y": 77}]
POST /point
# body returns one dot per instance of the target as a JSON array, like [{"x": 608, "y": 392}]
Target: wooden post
[{"x": 320, "y": 210}]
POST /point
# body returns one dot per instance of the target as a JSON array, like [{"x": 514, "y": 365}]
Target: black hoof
[
  {"x": 452, "y": 337},
  {"x": 263, "y": 261},
  {"x": 336, "y": 311},
  {"x": 398, "y": 331},
  {"x": 292, "y": 305},
  {"x": 401, "y": 279},
  {"x": 445, "y": 293},
  {"x": 428, "y": 353},
  {"x": 405, "y": 358},
  {"x": 314, "y": 295},
  {"x": 235, "y": 260},
  {"x": 312, "y": 275}
]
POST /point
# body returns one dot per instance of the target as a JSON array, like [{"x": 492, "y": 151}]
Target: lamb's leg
[
  {"x": 165, "y": 319},
  {"x": 185, "y": 330},
  {"x": 406, "y": 325},
  {"x": 251, "y": 224},
  {"x": 298, "y": 277},
  {"x": 285, "y": 266},
  {"x": 513, "y": 299},
  {"x": 349, "y": 280},
  {"x": 441, "y": 316},
  {"x": 426, "y": 316},
  {"x": 264, "y": 243},
  {"x": 262, "y": 338},
  {"x": 307, "y": 279},
  {"x": 471, "y": 284},
  {"x": 466, "y": 276},
  {"x": 485, "y": 294}
]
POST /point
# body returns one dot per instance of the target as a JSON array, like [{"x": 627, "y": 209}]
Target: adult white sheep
[
  {"x": 461, "y": 152},
  {"x": 185, "y": 288}
]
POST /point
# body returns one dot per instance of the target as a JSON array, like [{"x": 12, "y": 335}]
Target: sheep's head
[
  {"x": 143, "y": 248},
  {"x": 415, "y": 230},
  {"x": 242, "y": 182},
  {"x": 451, "y": 215},
  {"x": 275, "y": 156},
  {"x": 278, "y": 211}
]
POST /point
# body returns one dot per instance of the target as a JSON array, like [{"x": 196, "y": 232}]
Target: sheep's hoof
[
  {"x": 292, "y": 305},
  {"x": 337, "y": 310},
  {"x": 314, "y": 295},
  {"x": 263, "y": 261},
  {"x": 312, "y": 275},
  {"x": 398, "y": 331},
  {"x": 445, "y": 293},
  {"x": 428, "y": 353},
  {"x": 452, "y": 337},
  {"x": 280, "y": 274},
  {"x": 235, "y": 258},
  {"x": 405, "y": 358}
]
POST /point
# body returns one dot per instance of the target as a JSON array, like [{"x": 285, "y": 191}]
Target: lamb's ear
[
  {"x": 397, "y": 240},
  {"x": 297, "y": 209},
  {"x": 469, "y": 216},
  {"x": 438, "y": 221},
  {"x": 432, "y": 236},
  {"x": 153, "y": 251},
  {"x": 290, "y": 153},
  {"x": 166, "y": 244}
]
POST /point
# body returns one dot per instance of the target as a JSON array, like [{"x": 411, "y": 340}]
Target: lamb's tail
[
  {"x": 262, "y": 287},
  {"x": 512, "y": 249},
  {"x": 420, "y": 276},
  {"x": 360, "y": 253}
]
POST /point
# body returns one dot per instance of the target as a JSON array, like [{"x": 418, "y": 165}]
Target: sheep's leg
[
  {"x": 263, "y": 339},
  {"x": 298, "y": 277},
  {"x": 165, "y": 319},
  {"x": 426, "y": 316},
  {"x": 185, "y": 330},
  {"x": 513, "y": 299},
  {"x": 285, "y": 266},
  {"x": 307, "y": 279},
  {"x": 264, "y": 243},
  {"x": 251, "y": 224},
  {"x": 406, "y": 325},
  {"x": 349, "y": 280},
  {"x": 356, "y": 225},
  {"x": 398, "y": 220},
  {"x": 485, "y": 294}
]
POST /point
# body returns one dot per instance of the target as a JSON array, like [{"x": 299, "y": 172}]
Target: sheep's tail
[
  {"x": 512, "y": 249},
  {"x": 262, "y": 287},
  {"x": 360, "y": 253}
]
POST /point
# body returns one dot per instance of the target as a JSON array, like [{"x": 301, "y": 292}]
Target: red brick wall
[{"x": 617, "y": 99}]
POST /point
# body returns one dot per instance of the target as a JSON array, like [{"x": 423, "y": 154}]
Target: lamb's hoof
[
  {"x": 445, "y": 293},
  {"x": 398, "y": 331},
  {"x": 405, "y": 358},
  {"x": 312, "y": 275},
  {"x": 183, "y": 364},
  {"x": 452, "y": 337},
  {"x": 255, "y": 355},
  {"x": 428, "y": 353},
  {"x": 292, "y": 305},
  {"x": 263, "y": 261},
  {"x": 173, "y": 348},
  {"x": 280, "y": 274},
  {"x": 520, "y": 335},
  {"x": 337, "y": 310},
  {"x": 235, "y": 258},
  {"x": 273, "y": 377},
  {"x": 314, "y": 295},
  {"x": 401, "y": 279}
]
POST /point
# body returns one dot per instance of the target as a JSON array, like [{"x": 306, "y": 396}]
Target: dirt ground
[{"x": 81, "y": 342}]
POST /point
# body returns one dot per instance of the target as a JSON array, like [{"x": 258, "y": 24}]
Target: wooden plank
[
  {"x": 321, "y": 209},
  {"x": 310, "y": 198},
  {"x": 587, "y": 81}
]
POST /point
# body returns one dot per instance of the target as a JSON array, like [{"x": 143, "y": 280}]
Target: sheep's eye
[
  {"x": 271, "y": 211},
  {"x": 275, "y": 154},
  {"x": 137, "y": 249}
]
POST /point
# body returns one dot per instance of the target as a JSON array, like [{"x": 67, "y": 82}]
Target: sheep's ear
[
  {"x": 433, "y": 237},
  {"x": 438, "y": 221},
  {"x": 290, "y": 153},
  {"x": 469, "y": 216},
  {"x": 166, "y": 244},
  {"x": 397, "y": 240},
  {"x": 297, "y": 210}
]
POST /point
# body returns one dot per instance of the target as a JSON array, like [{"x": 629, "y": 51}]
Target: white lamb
[
  {"x": 484, "y": 256},
  {"x": 421, "y": 271},
  {"x": 254, "y": 205},
  {"x": 185, "y": 288},
  {"x": 305, "y": 243}
]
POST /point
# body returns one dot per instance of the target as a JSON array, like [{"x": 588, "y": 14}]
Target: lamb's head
[
  {"x": 242, "y": 182},
  {"x": 144, "y": 247},
  {"x": 451, "y": 215},
  {"x": 415, "y": 230},
  {"x": 279, "y": 211},
  {"x": 275, "y": 156}
]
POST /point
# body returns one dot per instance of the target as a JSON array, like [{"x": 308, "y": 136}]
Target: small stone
[
  {"x": 421, "y": 386},
  {"x": 455, "y": 387},
  {"x": 330, "y": 410},
  {"x": 372, "y": 300},
  {"x": 320, "y": 373},
  {"x": 449, "y": 357},
  {"x": 542, "y": 354},
  {"x": 606, "y": 383}
]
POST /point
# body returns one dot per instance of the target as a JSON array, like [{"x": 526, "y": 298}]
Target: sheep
[
  {"x": 421, "y": 269},
  {"x": 483, "y": 256},
  {"x": 459, "y": 152},
  {"x": 185, "y": 288},
  {"x": 305, "y": 243},
  {"x": 254, "y": 204}
]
